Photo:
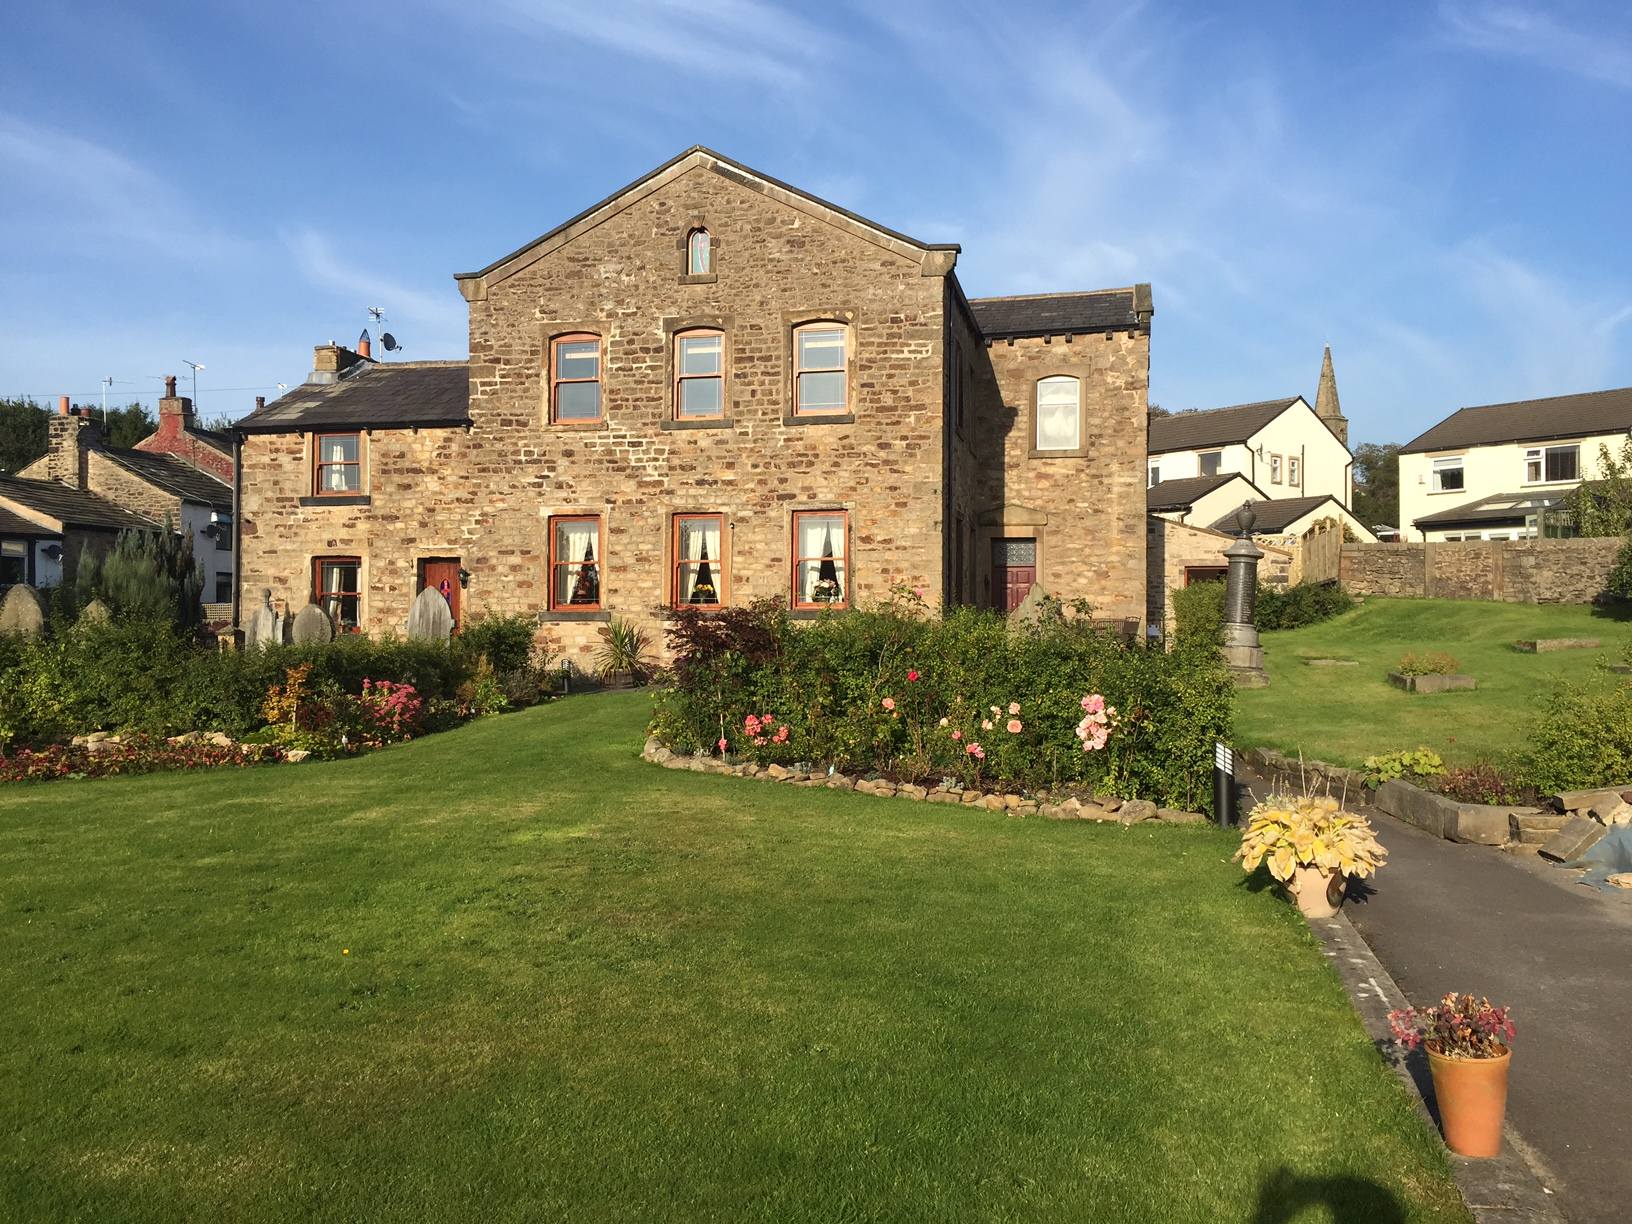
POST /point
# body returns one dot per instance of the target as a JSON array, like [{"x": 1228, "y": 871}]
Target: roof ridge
[{"x": 1032, "y": 297}]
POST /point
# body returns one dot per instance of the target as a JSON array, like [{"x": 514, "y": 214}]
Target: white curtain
[{"x": 1057, "y": 415}]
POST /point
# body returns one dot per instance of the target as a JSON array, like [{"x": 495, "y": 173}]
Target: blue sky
[{"x": 1439, "y": 191}]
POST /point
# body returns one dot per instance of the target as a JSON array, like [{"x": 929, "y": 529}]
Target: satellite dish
[{"x": 389, "y": 342}]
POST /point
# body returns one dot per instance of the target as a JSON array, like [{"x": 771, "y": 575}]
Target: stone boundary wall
[{"x": 1511, "y": 571}]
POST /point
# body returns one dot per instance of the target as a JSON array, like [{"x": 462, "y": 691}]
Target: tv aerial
[{"x": 388, "y": 342}]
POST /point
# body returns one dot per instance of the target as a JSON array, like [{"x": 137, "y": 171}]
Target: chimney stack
[
  {"x": 175, "y": 412},
  {"x": 71, "y": 437},
  {"x": 260, "y": 402},
  {"x": 331, "y": 362}
]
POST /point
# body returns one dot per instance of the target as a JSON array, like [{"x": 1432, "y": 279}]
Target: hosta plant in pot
[
  {"x": 1468, "y": 1056},
  {"x": 1311, "y": 845}
]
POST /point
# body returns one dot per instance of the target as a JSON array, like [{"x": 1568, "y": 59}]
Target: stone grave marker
[
  {"x": 22, "y": 612},
  {"x": 312, "y": 624},
  {"x": 430, "y": 619},
  {"x": 262, "y": 629},
  {"x": 95, "y": 613}
]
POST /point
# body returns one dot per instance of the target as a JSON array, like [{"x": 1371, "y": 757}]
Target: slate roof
[
  {"x": 1056, "y": 314},
  {"x": 16, "y": 525},
  {"x": 426, "y": 394},
  {"x": 71, "y": 507},
  {"x": 1185, "y": 492},
  {"x": 1510, "y": 509},
  {"x": 1538, "y": 420},
  {"x": 175, "y": 476},
  {"x": 1215, "y": 427},
  {"x": 1276, "y": 514}
]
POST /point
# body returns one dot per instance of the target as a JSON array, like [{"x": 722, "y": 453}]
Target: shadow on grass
[
  {"x": 1620, "y": 610},
  {"x": 1286, "y": 1195}
]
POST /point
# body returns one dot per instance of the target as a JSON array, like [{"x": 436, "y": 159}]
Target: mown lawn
[
  {"x": 515, "y": 973},
  {"x": 1344, "y": 714}
]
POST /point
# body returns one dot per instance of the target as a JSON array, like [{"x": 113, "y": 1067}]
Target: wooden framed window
[
  {"x": 1293, "y": 474},
  {"x": 699, "y": 561},
  {"x": 339, "y": 470},
  {"x": 1210, "y": 463},
  {"x": 821, "y": 573},
  {"x": 1274, "y": 469},
  {"x": 699, "y": 253},
  {"x": 337, "y": 589},
  {"x": 821, "y": 369},
  {"x": 575, "y": 563},
  {"x": 575, "y": 378},
  {"x": 13, "y": 562},
  {"x": 699, "y": 375},
  {"x": 1059, "y": 415}
]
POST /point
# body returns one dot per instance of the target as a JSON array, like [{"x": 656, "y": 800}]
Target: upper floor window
[
  {"x": 1274, "y": 469},
  {"x": 699, "y": 375},
  {"x": 1059, "y": 425},
  {"x": 339, "y": 465},
  {"x": 1293, "y": 475},
  {"x": 820, "y": 369},
  {"x": 337, "y": 589},
  {"x": 820, "y": 578},
  {"x": 1211, "y": 462},
  {"x": 575, "y": 563},
  {"x": 699, "y": 254},
  {"x": 1546, "y": 464},
  {"x": 699, "y": 566},
  {"x": 1155, "y": 474},
  {"x": 1448, "y": 474},
  {"x": 575, "y": 378}
]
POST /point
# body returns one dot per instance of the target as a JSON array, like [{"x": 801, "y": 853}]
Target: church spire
[{"x": 1326, "y": 406}]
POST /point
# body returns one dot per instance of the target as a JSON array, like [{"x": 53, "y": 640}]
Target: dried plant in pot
[
  {"x": 1311, "y": 846},
  {"x": 1468, "y": 1056}
]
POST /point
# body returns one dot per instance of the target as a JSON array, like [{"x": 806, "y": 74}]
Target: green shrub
[
  {"x": 869, "y": 690},
  {"x": 1419, "y": 764},
  {"x": 152, "y": 574},
  {"x": 1620, "y": 574},
  {"x": 506, "y": 641},
  {"x": 1582, "y": 739},
  {"x": 1308, "y": 603},
  {"x": 1198, "y": 614}
]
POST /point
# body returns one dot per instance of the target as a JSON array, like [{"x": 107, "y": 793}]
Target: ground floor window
[
  {"x": 13, "y": 562},
  {"x": 223, "y": 588},
  {"x": 575, "y": 563},
  {"x": 337, "y": 589},
  {"x": 699, "y": 565},
  {"x": 821, "y": 578}
]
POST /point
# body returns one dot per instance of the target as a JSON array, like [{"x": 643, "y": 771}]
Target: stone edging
[
  {"x": 1501, "y": 1190},
  {"x": 1102, "y": 808}
]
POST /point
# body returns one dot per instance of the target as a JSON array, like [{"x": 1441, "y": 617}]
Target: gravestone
[
  {"x": 22, "y": 612},
  {"x": 95, "y": 613},
  {"x": 312, "y": 625},
  {"x": 430, "y": 619},
  {"x": 1030, "y": 610},
  {"x": 262, "y": 629}
]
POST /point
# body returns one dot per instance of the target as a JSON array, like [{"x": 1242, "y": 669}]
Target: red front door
[
  {"x": 1014, "y": 570},
  {"x": 443, "y": 574}
]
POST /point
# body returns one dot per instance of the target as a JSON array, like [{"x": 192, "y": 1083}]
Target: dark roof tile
[
  {"x": 1183, "y": 493},
  {"x": 1498, "y": 508},
  {"x": 424, "y": 394},
  {"x": 1215, "y": 427},
  {"x": 1276, "y": 513},
  {"x": 72, "y": 507},
  {"x": 175, "y": 476},
  {"x": 1538, "y": 420},
  {"x": 1056, "y": 314}
]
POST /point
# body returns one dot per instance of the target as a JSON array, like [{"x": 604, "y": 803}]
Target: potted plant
[
  {"x": 1468, "y": 1056},
  {"x": 1311, "y": 846}
]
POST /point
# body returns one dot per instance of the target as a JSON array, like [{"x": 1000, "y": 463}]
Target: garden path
[{"x": 1442, "y": 916}]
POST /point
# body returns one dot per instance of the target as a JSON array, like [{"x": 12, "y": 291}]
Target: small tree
[
  {"x": 1604, "y": 507},
  {"x": 152, "y": 573},
  {"x": 87, "y": 577}
]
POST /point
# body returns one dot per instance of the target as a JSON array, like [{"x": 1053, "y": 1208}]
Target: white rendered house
[{"x": 1495, "y": 472}]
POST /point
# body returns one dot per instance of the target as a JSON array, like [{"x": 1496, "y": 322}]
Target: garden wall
[{"x": 1512, "y": 571}]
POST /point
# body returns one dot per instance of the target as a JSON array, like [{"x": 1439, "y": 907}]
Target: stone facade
[
  {"x": 897, "y": 463},
  {"x": 1513, "y": 571}
]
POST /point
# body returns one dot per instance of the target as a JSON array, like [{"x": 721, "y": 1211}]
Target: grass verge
[{"x": 515, "y": 973}]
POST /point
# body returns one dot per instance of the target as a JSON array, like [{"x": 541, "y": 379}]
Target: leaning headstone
[
  {"x": 1574, "y": 840},
  {"x": 312, "y": 625},
  {"x": 262, "y": 629},
  {"x": 95, "y": 613},
  {"x": 22, "y": 612},
  {"x": 430, "y": 619},
  {"x": 1030, "y": 609}
]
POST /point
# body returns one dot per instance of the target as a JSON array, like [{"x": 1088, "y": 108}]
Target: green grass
[
  {"x": 1344, "y": 714},
  {"x": 515, "y": 973}
]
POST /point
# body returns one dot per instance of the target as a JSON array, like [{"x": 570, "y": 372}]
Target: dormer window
[{"x": 699, "y": 254}]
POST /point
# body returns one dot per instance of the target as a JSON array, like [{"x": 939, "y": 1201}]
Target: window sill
[
  {"x": 810, "y": 614},
  {"x": 821, "y": 418},
  {"x": 348, "y": 499},
  {"x": 704, "y": 423},
  {"x": 598, "y": 423},
  {"x": 1076, "y": 453},
  {"x": 700, "y": 278},
  {"x": 1445, "y": 492},
  {"x": 551, "y": 614}
]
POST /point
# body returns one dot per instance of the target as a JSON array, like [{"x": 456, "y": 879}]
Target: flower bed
[
  {"x": 138, "y": 755},
  {"x": 900, "y": 691}
]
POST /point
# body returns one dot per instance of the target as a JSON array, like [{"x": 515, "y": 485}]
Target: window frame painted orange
[
  {"x": 692, "y": 333},
  {"x": 722, "y": 586},
  {"x": 839, "y": 604},
  {"x": 600, "y": 562},
  {"x": 318, "y": 593},
  {"x": 556, "y": 380},
  {"x": 823, "y": 325},
  {"x": 318, "y": 465}
]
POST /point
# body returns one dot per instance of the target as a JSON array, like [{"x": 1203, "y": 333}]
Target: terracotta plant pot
[
  {"x": 1317, "y": 890},
  {"x": 1472, "y": 1094}
]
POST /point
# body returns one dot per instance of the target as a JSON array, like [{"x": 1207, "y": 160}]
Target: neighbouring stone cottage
[{"x": 707, "y": 389}]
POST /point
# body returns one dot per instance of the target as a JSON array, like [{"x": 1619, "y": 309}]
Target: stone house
[
  {"x": 1494, "y": 472},
  {"x": 152, "y": 485},
  {"x": 707, "y": 389},
  {"x": 1284, "y": 447},
  {"x": 45, "y": 526}
]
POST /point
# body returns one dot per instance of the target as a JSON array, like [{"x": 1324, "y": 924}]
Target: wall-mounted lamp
[{"x": 464, "y": 579}]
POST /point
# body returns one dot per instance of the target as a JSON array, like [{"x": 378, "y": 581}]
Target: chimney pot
[
  {"x": 364, "y": 345},
  {"x": 62, "y": 406},
  {"x": 170, "y": 386},
  {"x": 260, "y": 402}
]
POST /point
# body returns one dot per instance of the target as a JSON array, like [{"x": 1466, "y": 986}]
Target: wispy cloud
[
  {"x": 1526, "y": 32},
  {"x": 322, "y": 264}
]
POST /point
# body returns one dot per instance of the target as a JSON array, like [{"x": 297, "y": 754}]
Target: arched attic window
[{"x": 699, "y": 253}]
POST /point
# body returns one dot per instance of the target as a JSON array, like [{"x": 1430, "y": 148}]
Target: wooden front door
[
  {"x": 443, "y": 574},
  {"x": 1014, "y": 570}
]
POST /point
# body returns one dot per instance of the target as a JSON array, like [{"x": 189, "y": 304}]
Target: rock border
[{"x": 1103, "y": 808}]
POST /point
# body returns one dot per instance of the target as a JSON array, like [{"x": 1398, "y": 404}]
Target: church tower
[{"x": 1326, "y": 406}]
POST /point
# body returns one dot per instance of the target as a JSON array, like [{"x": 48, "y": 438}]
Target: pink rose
[
  {"x": 943, "y": 722},
  {"x": 957, "y": 735},
  {"x": 1014, "y": 707},
  {"x": 1014, "y": 726},
  {"x": 912, "y": 675},
  {"x": 985, "y": 724},
  {"x": 889, "y": 703},
  {"x": 722, "y": 743},
  {"x": 976, "y": 751}
]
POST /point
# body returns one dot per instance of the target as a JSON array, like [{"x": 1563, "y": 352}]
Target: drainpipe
[{"x": 237, "y": 530}]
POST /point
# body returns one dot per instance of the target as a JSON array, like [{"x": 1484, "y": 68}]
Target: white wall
[
  {"x": 1487, "y": 471},
  {"x": 47, "y": 572},
  {"x": 215, "y": 561},
  {"x": 1324, "y": 463}
]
